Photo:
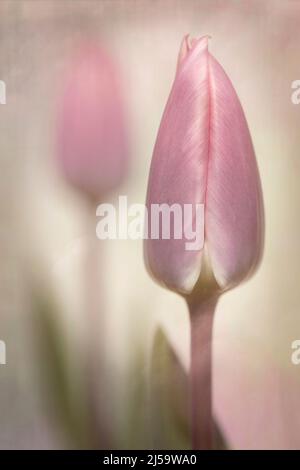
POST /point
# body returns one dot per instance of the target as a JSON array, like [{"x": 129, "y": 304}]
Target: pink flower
[
  {"x": 92, "y": 137},
  {"x": 204, "y": 155}
]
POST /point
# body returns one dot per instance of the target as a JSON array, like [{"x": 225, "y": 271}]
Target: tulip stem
[
  {"x": 95, "y": 357},
  {"x": 202, "y": 427}
]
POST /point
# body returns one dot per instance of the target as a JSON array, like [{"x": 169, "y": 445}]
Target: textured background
[{"x": 42, "y": 231}]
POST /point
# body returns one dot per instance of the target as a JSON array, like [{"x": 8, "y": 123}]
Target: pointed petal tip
[
  {"x": 194, "y": 41},
  {"x": 189, "y": 44},
  {"x": 198, "y": 41}
]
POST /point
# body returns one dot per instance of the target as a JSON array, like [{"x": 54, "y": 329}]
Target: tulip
[
  {"x": 92, "y": 137},
  {"x": 204, "y": 155},
  {"x": 93, "y": 156}
]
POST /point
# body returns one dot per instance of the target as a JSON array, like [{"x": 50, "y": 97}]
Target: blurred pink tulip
[
  {"x": 93, "y": 155},
  {"x": 92, "y": 138},
  {"x": 204, "y": 155}
]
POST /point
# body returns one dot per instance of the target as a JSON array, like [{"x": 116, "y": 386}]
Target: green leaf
[
  {"x": 62, "y": 398},
  {"x": 169, "y": 399}
]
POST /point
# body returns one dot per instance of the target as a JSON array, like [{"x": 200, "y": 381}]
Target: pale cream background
[{"x": 257, "y": 42}]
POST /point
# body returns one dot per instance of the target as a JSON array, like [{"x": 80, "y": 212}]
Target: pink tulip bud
[
  {"x": 92, "y": 138},
  {"x": 204, "y": 155}
]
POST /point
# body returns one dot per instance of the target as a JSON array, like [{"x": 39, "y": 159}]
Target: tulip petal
[
  {"x": 234, "y": 208},
  {"x": 179, "y": 165}
]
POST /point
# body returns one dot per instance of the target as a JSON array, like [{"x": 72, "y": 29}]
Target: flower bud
[
  {"x": 92, "y": 137},
  {"x": 204, "y": 155}
]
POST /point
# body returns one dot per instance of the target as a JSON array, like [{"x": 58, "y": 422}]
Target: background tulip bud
[
  {"x": 93, "y": 155},
  {"x": 204, "y": 155},
  {"x": 92, "y": 139}
]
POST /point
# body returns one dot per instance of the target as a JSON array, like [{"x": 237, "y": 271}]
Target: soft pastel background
[{"x": 43, "y": 233}]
